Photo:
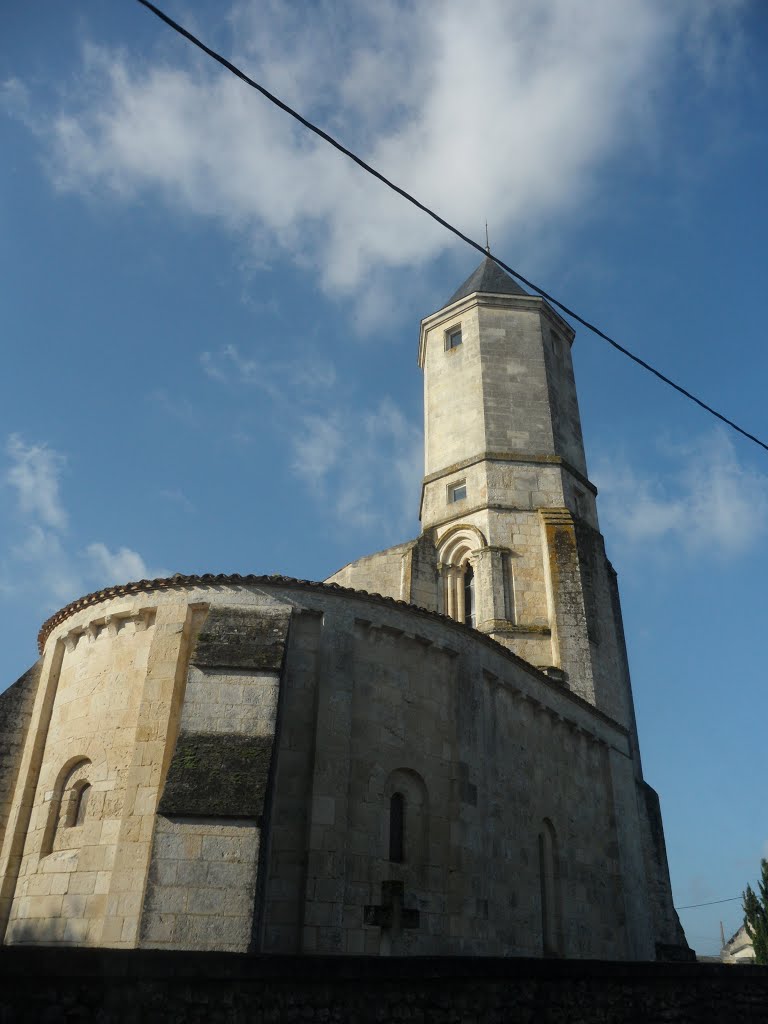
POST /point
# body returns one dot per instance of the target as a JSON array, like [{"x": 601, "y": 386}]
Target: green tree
[{"x": 756, "y": 915}]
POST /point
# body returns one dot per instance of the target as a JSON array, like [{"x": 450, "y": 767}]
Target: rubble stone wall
[{"x": 116, "y": 987}]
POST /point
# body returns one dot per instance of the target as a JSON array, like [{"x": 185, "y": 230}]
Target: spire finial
[{"x": 487, "y": 243}]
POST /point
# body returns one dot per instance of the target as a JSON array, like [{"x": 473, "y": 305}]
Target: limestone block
[{"x": 80, "y": 882}]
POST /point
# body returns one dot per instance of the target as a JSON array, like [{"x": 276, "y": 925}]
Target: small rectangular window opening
[
  {"x": 458, "y": 492},
  {"x": 397, "y": 828},
  {"x": 509, "y": 587},
  {"x": 453, "y": 338},
  {"x": 558, "y": 346}
]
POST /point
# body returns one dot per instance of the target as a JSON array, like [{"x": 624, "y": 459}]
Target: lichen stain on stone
[
  {"x": 242, "y": 638},
  {"x": 217, "y": 775}
]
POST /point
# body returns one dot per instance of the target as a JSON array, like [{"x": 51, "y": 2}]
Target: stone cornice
[
  {"x": 221, "y": 580},
  {"x": 506, "y": 628},
  {"x": 538, "y": 459}
]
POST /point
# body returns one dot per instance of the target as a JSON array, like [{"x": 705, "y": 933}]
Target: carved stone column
[
  {"x": 489, "y": 587},
  {"x": 458, "y": 584},
  {"x": 448, "y": 587}
]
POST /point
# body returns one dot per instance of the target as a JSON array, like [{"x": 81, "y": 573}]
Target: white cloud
[
  {"x": 47, "y": 567},
  {"x": 179, "y": 498},
  {"x": 501, "y": 114},
  {"x": 15, "y": 99},
  {"x": 38, "y": 560},
  {"x": 714, "y": 49},
  {"x": 361, "y": 466},
  {"x": 117, "y": 566},
  {"x": 228, "y": 365},
  {"x": 301, "y": 377},
  {"x": 211, "y": 368},
  {"x": 706, "y": 499},
  {"x": 179, "y": 408},
  {"x": 317, "y": 448},
  {"x": 34, "y": 474},
  {"x": 364, "y": 468}
]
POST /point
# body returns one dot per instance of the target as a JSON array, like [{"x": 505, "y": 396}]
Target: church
[{"x": 433, "y": 752}]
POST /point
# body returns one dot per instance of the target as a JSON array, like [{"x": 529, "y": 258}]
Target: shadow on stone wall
[
  {"x": 38, "y": 932},
  {"x": 150, "y": 985}
]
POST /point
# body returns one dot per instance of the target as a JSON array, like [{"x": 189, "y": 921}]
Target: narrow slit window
[
  {"x": 78, "y": 804},
  {"x": 558, "y": 347},
  {"x": 82, "y": 804},
  {"x": 551, "y": 910},
  {"x": 469, "y": 596},
  {"x": 509, "y": 587},
  {"x": 453, "y": 338},
  {"x": 397, "y": 828}
]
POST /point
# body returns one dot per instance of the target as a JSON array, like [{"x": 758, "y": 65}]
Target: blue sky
[{"x": 210, "y": 321}]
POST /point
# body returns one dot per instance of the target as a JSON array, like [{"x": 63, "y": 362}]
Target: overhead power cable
[
  {"x": 692, "y": 906},
  {"x": 444, "y": 223}
]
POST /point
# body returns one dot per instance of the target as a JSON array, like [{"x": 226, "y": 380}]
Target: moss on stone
[
  {"x": 217, "y": 775},
  {"x": 242, "y": 638}
]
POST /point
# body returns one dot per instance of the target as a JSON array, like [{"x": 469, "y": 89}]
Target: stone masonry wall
[
  {"x": 453, "y": 420},
  {"x": 492, "y": 768},
  {"x": 203, "y": 873},
  {"x": 202, "y": 831},
  {"x": 380, "y": 573},
  {"x": 15, "y": 715},
  {"x": 666, "y": 922},
  {"x": 564, "y": 404},
  {"x": 516, "y": 398},
  {"x": 131, "y": 987},
  {"x": 281, "y": 927},
  {"x": 73, "y": 871},
  {"x": 379, "y": 700},
  {"x": 406, "y": 572},
  {"x": 65, "y": 873}
]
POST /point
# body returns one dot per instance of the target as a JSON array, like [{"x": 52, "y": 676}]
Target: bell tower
[{"x": 506, "y": 498}]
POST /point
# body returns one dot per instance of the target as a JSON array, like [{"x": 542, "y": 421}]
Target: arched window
[
  {"x": 68, "y": 806},
  {"x": 397, "y": 828},
  {"x": 551, "y": 906},
  {"x": 459, "y": 591},
  {"x": 457, "y": 552},
  {"x": 405, "y": 832}
]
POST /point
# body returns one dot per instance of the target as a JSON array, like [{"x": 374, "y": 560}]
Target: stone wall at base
[{"x": 57, "y": 984}]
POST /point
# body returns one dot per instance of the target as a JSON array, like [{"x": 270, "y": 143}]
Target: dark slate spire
[{"x": 489, "y": 277}]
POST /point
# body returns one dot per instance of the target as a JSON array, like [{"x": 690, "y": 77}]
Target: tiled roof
[{"x": 181, "y": 582}]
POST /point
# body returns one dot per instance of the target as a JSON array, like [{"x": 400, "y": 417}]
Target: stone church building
[{"x": 432, "y": 752}]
